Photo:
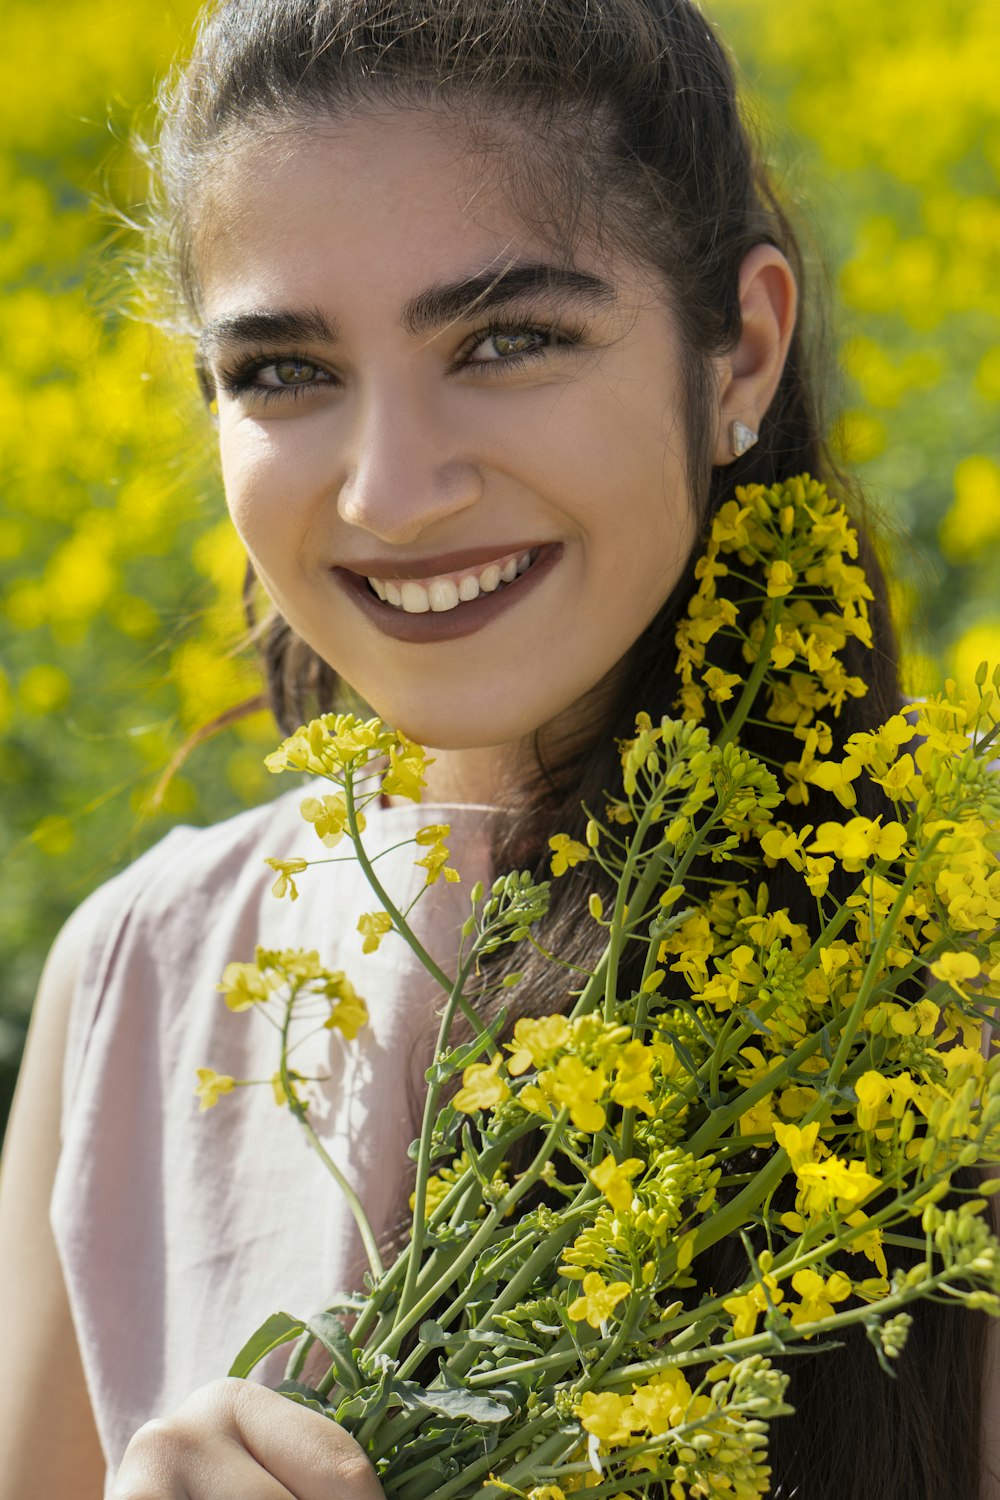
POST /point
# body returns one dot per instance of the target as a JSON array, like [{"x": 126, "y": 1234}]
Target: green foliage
[{"x": 119, "y": 577}]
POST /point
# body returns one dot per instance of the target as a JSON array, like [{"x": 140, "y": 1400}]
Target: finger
[
  {"x": 177, "y": 1459},
  {"x": 307, "y": 1453}
]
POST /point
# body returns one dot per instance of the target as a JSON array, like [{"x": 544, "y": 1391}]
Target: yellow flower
[
  {"x": 244, "y": 985},
  {"x": 720, "y": 684},
  {"x": 730, "y": 525},
  {"x": 331, "y": 744},
  {"x": 836, "y": 777},
  {"x": 760, "y": 1118},
  {"x": 328, "y": 815},
  {"x": 597, "y": 1303},
  {"x": 661, "y": 1403},
  {"x": 348, "y": 1016},
  {"x": 633, "y": 1076},
  {"x": 577, "y": 1087},
  {"x": 286, "y": 868},
  {"x": 956, "y": 969},
  {"x": 901, "y": 781},
  {"x": 373, "y": 927},
  {"x": 869, "y": 1243},
  {"x": 748, "y": 1308},
  {"x": 407, "y": 766},
  {"x": 799, "y": 1143},
  {"x": 817, "y": 874},
  {"x": 818, "y": 1296},
  {"x": 780, "y": 579},
  {"x": 614, "y": 1179},
  {"x": 211, "y": 1085},
  {"x": 536, "y": 1042},
  {"x": 783, "y": 842},
  {"x": 873, "y": 1091},
  {"x": 434, "y": 861},
  {"x": 858, "y": 840},
  {"x": 567, "y": 853},
  {"x": 603, "y": 1414},
  {"x": 834, "y": 1181},
  {"x": 482, "y": 1087}
]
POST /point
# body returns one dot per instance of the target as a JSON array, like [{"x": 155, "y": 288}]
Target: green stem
[
  {"x": 398, "y": 921},
  {"x": 754, "y": 682},
  {"x": 431, "y": 1100},
  {"x": 390, "y": 1344},
  {"x": 874, "y": 964},
  {"x": 301, "y": 1113}
]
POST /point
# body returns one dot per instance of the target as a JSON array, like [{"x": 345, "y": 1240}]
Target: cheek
[{"x": 261, "y": 482}]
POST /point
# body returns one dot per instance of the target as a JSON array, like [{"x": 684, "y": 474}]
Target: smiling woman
[
  {"x": 428, "y": 410},
  {"x": 494, "y": 309}
]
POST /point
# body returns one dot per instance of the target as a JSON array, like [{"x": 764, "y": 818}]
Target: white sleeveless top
[{"x": 180, "y": 1231}]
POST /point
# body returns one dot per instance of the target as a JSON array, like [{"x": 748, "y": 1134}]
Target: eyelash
[{"x": 240, "y": 379}]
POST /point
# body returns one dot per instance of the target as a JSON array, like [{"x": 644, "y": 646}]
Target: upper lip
[{"x": 430, "y": 567}]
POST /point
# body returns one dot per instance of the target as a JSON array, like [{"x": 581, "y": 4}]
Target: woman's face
[{"x": 457, "y": 465}]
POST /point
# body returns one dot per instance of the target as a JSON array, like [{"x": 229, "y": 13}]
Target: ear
[{"x": 749, "y": 374}]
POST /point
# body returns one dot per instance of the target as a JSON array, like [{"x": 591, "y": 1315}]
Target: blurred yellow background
[{"x": 119, "y": 576}]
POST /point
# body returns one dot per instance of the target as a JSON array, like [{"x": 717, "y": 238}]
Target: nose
[{"x": 406, "y": 468}]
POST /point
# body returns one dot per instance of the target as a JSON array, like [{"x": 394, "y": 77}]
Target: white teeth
[
  {"x": 442, "y": 595},
  {"x": 415, "y": 600}
]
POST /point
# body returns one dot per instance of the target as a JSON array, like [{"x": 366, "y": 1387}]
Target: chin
[{"x": 435, "y": 732}]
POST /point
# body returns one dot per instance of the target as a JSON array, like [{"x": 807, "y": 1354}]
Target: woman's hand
[{"x": 233, "y": 1440}]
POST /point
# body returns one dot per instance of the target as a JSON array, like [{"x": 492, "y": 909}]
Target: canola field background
[{"x": 119, "y": 577}]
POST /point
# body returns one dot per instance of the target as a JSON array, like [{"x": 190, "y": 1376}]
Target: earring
[{"x": 741, "y": 438}]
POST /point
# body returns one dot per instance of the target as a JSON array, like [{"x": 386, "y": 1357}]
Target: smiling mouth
[{"x": 446, "y": 591}]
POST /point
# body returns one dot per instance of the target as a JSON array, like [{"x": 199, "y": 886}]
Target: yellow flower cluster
[
  {"x": 295, "y": 982},
  {"x": 810, "y": 1082},
  {"x": 335, "y": 745},
  {"x": 582, "y": 1066},
  {"x": 693, "y": 1439},
  {"x": 816, "y": 599}
]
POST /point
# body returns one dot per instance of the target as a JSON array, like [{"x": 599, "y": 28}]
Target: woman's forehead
[{"x": 412, "y": 186}]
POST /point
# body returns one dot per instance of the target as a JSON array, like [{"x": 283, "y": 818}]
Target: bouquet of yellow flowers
[{"x": 809, "y": 1088}]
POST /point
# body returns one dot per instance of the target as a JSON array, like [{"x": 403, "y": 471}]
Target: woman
[{"x": 494, "y": 307}]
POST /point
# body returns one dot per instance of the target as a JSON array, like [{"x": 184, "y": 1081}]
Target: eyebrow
[{"x": 429, "y": 310}]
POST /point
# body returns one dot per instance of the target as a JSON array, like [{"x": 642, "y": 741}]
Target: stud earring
[{"x": 741, "y": 438}]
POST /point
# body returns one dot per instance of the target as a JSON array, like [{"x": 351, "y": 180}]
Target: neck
[{"x": 475, "y": 775}]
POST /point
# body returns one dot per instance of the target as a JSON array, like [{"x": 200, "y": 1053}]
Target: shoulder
[
  {"x": 190, "y": 870},
  {"x": 155, "y": 913}
]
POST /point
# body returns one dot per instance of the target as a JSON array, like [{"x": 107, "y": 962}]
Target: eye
[
  {"x": 507, "y": 343},
  {"x": 262, "y": 377},
  {"x": 502, "y": 347},
  {"x": 287, "y": 373}
]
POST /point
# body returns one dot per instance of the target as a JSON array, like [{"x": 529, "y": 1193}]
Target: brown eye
[
  {"x": 509, "y": 345},
  {"x": 514, "y": 343},
  {"x": 290, "y": 372}
]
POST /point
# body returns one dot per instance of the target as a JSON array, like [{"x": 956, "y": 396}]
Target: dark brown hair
[{"x": 636, "y": 137}]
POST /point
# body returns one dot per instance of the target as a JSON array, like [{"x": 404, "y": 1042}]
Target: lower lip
[{"x": 450, "y": 624}]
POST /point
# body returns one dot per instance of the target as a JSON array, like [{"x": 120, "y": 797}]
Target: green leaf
[
  {"x": 338, "y": 1344},
  {"x": 304, "y": 1395},
  {"x": 279, "y": 1329},
  {"x": 460, "y": 1057},
  {"x": 370, "y": 1400},
  {"x": 454, "y": 1403}
]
